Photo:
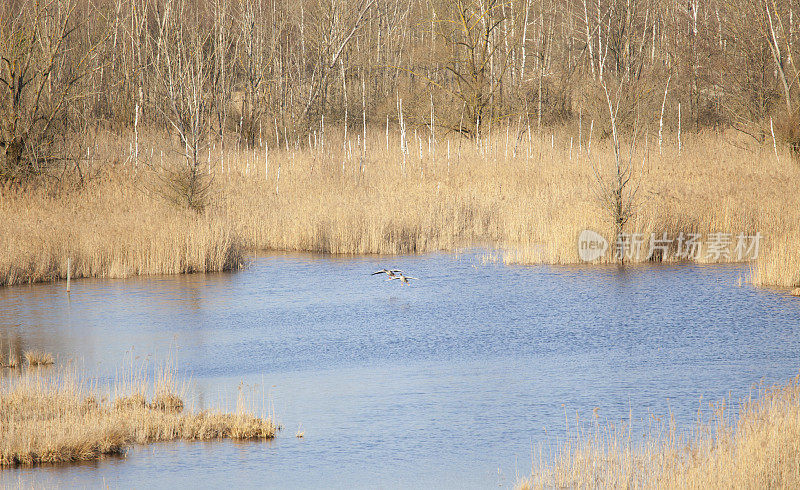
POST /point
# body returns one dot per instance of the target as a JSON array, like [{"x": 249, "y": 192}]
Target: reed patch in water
[
  {"x": 11, "y": 361},
  {"x": 53, "y": 416},
  {"x": 38, "y": 358}
]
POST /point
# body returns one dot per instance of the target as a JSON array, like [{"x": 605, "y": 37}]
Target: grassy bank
[
  {"x": 760, "y": 449},
  {"x": 49, "y": 415},
  {"x": 530, "y": 196},
  {"x": 110, "y": 227}
]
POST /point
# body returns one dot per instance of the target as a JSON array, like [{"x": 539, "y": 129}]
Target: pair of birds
[{"x": 394, "y": 274}]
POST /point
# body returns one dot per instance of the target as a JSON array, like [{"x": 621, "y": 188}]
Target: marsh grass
[
  {"x": 531, "y": 206},
  {"x": 55, "y": 416},
  {"x": 108, "y": 228},
  {"x": 759, "y": 448},
  {"x": 38, "y": 358},
  {"x": 12, "y": 360},
  {"x": 528, "y": 196}
]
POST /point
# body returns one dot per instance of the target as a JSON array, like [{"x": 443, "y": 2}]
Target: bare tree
[
  {"x": 40, "y": 75},
  {"x": 185, "y": 95},
  {"x": 195, "y": 64},
  {"x": 254, "y": 58},
  {"x": 337, "y": 27},
  {"x": 477, "y": 63},
  {"x": 221, "y": 77},
  {"x": 617, "y": 195}
]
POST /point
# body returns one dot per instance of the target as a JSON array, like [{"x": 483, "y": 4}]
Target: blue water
[{"x": 449, "y": 382}]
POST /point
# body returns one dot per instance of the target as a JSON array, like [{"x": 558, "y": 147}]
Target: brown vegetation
[
  {"x": 110, "y": 227},
  {"x": 759, "y": 449},
  {"x": 204, "y": 69},
  {"x": 174, "y": 134},
  {"x": 38, "y": 358},
  {"x": 53, "y": 417},
  {"x": 530, "y": 198},
  {"x": 13, "y": 360}
]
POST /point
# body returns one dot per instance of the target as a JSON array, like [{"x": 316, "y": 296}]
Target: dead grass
[
  {"x": 528, "y": 197},
  {"x": 760, "y": 449},
  {"x": 12, "y": 361},
  {"x": 110, "y": 228},
  {"x": 38, "y": 358},
  {"x": 531, "y": 206},
  {"x": 54, "y": 417}
]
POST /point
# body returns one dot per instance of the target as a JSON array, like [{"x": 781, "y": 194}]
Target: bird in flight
[
  {"x": 403, "y": 278},
  {"x": 394, "y": 274},
  {"x": 389, "y": 272}
]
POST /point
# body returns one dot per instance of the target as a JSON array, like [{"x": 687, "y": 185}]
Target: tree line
[{"x": 244, "y": 69}]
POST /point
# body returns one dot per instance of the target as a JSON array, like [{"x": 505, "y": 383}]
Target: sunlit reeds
[
  {"x": 53, "y": 416},
  {"x": 38, "y": 358},
  {"x": 111, "y": 227},
  {"x": 528, "y": 196},
  {"x": 760, "y": 448}
]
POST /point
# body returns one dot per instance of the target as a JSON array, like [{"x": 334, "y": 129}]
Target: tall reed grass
[
  {"x": 532, "y": 205},
  {"x": 111, "y": 227},
  {"x": 527, "y": 194},
  {"x": 54, "y": 415},
  {"x": 760, "y": 448}
]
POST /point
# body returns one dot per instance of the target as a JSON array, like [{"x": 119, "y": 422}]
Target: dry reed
[
  {"x": 13, "y": 360},
  {"x": 108, "y": 228},
  {"x": 531, "y": 206},
  {"x": 528, "y": 195},
  {"x": 38, "y": 358},
  {"x": 760, "y": 449},
  {"x": 54, "y": 417}
]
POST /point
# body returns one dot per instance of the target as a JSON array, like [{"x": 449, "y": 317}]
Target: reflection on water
[{"x": 448, "y": 382}]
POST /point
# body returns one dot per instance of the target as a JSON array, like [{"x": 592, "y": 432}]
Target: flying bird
[
  {"x": 394, "y": 274},
  {"x": 403, "y": 278},
  {"x": 389, "y": 272}
]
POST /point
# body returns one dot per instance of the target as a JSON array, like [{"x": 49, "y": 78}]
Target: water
[{"x": 448, "y": 382}]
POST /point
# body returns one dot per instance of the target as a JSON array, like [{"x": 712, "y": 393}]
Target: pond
[{"x": 451, "y": 381}]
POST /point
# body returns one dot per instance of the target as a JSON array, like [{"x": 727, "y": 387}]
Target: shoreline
[{"x": 120, "y": 223}]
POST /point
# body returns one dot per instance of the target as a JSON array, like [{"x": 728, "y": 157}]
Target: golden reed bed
[
  {"x": 530, "y": 197},
  {"x": 758, "y": 449},
  {"x": 52, "y": 415}
]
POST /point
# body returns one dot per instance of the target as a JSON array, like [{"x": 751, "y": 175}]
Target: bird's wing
[
  {"x": 384, "y": 271},
  {"x": 412, "y": 278}
]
